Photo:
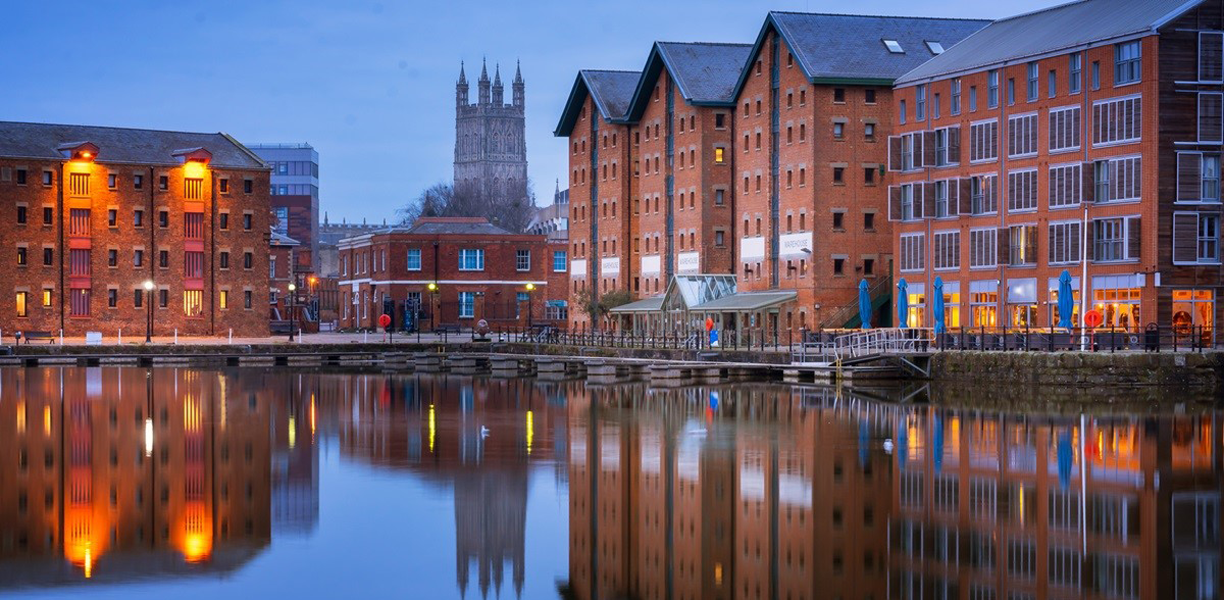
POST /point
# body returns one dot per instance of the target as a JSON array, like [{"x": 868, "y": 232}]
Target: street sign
[{"x": 1093, "y": 318}]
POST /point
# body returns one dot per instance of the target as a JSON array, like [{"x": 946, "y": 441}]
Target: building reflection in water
[
  {"x": 129, "y": 473},
  {"x": 477, "y": 436},
  {"x": 791, "y": 493}
]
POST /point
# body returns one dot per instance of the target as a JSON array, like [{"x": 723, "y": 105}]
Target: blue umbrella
[
  {"x": 938, "y": 303},
  {"x": 1064, "y": 459},
  {"x": 863, "y": 438},
  {"x": 1066, "y": 300},
  {"x": 902, "y": 303},
  {"x": 864, "y": 305},
  {"x": 902, "y": 444}
]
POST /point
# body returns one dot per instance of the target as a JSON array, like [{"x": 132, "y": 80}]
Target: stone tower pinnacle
[
  {"x": 461, "y": 88},
  {"x": 483, "y": 84},
  {"x": 498, "y": 96},
  {"x": 518, "y": 85}
]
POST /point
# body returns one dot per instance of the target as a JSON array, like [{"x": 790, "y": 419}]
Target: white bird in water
[
  {"x": 888, "y": 445},
  {"x": 484, "y": 431}
]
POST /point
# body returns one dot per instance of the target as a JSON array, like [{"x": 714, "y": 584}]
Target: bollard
[
  {"x": 231, "y": 336},
  {"x": 365, "y": 337},
  {"x": 61, "y": 337},
  {"x": 120, "y": 337}
]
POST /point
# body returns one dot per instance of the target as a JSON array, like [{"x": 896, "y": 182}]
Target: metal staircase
[{"x": 847, "y": 317}]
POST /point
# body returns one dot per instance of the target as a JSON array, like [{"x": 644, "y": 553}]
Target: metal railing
[{"x": 875, "y": 342}]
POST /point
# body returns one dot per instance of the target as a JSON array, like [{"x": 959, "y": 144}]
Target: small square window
[
  {"x": 112, "y": 218},
  {"x": 163, "y": 259},
  {"x": 935, "y": 47},
  {"x": 48, "y": 178},
  {"x": 223, "y": 186},
  {"x": 21, "y": 215},
  {"x": 246, "y": 222},
  {"x": 163, "y": 182},
  {"x": 893, "y": 47},
  {"x": 248, "y": 186},
  {"x": 223, "y": 221},
  {"x": 839, "y": 220},
  {"x": 48, "y": 257},
  {"x": 838, "y": 265},
  {"x": 868, "y": 266},
  {"x": 839, "y": 95},
  {"x": 21, "y": 176},
  {"x": 112, "y": 298},
  {"x": 112, "y": 181},
  {"x": 163, "y": 298},
  {"x": 839, "y": 130},
  {"x": 48, "y": 215},
  {"x": 839, "y": 175},
  {"x": 137, "y": 181},
  {"x": 112, "y": 258},
  {"x": 138, "y": 218},
  {"x": 163, "y": 218},
  {"x": 869, "y": 96},
  {"x": 720, "y": 120},
  {"x": 869, "y": 221}
]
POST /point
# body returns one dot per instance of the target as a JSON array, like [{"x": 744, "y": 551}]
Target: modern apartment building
[
  {"x": 295, "y": 200},
  {"x": 1081, "y": 138},
  {"x": 94, "y": 213}
]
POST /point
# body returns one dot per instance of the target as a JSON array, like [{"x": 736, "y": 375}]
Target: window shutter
[
  {"x": 1057, "y": 243},
  {"x": 894, "y": 203},
  {"x": 1003, "y": 244},
  {"x": 1133, "y": 237},
  {"x": 928, "y": 148},
  {"x": 1012, "y": 179},
  {"x": 953, "y": 196},
  {"x": 954, "y": 147},
  {"x": 1030, "y": 133},
  {"x": 928, "y": 200},
  {"x": 1091, "y": 233},
  {"x": 993, "y": 151},
  {"x": 1134, "y": 122},
  {"x": 1185, "y": 237},
  {"x": 965, "y": 193},
  {"x": 1030, "y": 244},
  {"x": 1189, "y": 176},
  {"x": 894, "y": 153},
  {"x": 1088, "y": 181}
]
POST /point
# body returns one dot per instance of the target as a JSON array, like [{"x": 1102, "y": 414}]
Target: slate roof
[
  {"x": 611, "y": 91},
  {"x": 706, "y": 74},
  {"x": 455, "y": 225},
  {"x": 1050, "y": 30},
  {"x": 122, "y": 145},
  {"x": 835, "y": 47}
]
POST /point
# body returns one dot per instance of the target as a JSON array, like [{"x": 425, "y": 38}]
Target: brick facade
[
  {"x": 74, "y": 220},
  {"x": 999, "y": 260},
  {"x": 376, "y": 267}
]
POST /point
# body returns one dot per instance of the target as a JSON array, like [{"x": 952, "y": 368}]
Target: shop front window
[
  {"x": 1118, "y": 306},
  {"x": 916, "y": 315},
  {"x": 1055, "y": 315},
  {"x": 1022, "y": 303},
  {"x": 952, "y": 298},
  {"x": 984, "y": 303},
  {"x": 1193, "y": 310}
]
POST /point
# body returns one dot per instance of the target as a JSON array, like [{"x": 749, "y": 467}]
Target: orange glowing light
[
  {"x": 197, "y": 547},
  {"x": 86, "y": 154},
  {"x": 194, "y": 169}
]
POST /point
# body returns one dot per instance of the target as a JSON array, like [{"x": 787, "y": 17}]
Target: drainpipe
[{"x": 59, "y": 200}]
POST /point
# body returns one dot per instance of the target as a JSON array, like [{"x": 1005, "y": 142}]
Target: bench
[
  {"x": 29, "y": 336},
  {"x": 449, "y": 328}
]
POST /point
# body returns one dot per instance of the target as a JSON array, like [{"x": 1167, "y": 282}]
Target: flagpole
[{"x": 1084, "y": 282}]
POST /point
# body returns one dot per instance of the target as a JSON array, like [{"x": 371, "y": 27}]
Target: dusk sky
[{"x": 369, "y": 84}]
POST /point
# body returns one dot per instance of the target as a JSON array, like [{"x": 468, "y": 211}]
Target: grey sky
[{"x": 369, "y": 84}]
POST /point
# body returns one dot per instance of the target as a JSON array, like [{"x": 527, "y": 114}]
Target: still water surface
[{"x": 139, "y": 483}]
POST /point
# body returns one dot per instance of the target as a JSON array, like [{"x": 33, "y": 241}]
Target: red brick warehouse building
[
  {"x": 1093, "y": 148},
  {"x": 92, "y": 213},
  {"x": 764, "y": 162},
  {"x": 478, "y": 270}
]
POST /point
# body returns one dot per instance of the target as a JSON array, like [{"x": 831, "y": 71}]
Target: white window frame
[
  {"x": 564, "y": 261},
  {"x": 467, "y": 305},
  {"x": 911, "y": 249},
  {"x": 1198, "y": 121},
  {"x": 522, "y": 260},
  {"x": 408, "y": 259},
  {"x": 1027, "y": 121},
  {"x": 990, "y": 257},
  {"x": 1118, "y": 100},
  {"x": 1036, "y": 191},
  {"x": 953, "y": 262},
  {"x": 1069, "y": 225},
  {"x": 1199, "y": 239},
  {"x": 478, "y": 255},
  {"x": 975, "y": 132},
  {"x": 1078, "y": 131},
  {"x": 1220, "y": 36},
  {"x": 1077, "y": 183}
]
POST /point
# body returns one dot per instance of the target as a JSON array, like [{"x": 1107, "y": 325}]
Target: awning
[
  {"x": 746, "y": 302},
  {"x": 648, "y": 305}
]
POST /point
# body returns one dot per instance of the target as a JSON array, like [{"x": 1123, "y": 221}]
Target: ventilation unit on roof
[
  {"x": 935, "y": 47},
  {"x": 894, "y": 47}
]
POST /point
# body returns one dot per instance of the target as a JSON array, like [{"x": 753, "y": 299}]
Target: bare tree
[{"x": 511, "y": 209}]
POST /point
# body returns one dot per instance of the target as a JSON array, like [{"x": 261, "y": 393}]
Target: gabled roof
[
  {"x": 43, "y": 141},
  {"x": 705, "y": 73},
  {"x": 611, "y": 91},
  {"x": 1054, "y": 29},
  {"x": 850, "y": 48}
]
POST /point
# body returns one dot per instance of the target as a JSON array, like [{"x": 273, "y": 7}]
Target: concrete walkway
[{"x": 309, "y": 338}]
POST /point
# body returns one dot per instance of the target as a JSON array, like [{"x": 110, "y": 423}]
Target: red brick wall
[
  {"x": 125, "y": 238},
  {"x": 1146, "y": 209},
  {"x": 499, "y": 281}
]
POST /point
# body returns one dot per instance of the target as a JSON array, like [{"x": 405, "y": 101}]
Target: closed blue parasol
[
  {"x": 1064, "y": 459},
  {"x": 1066, "y": 300},
  {"x": 902, "y": 303},
  {"x": 937, "y": 443},
  {"x": 937, "y": 302},
  {"x": 864, "y": 305}
]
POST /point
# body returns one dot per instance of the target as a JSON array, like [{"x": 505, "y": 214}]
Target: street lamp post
[
  {"x": 148, "y": 286},
  {"x": 289, "y": 305},
  {"x": 433, "y": 291}
]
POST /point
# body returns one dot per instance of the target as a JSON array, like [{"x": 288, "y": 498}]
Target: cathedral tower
[{"x": 490, "y": 137}]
